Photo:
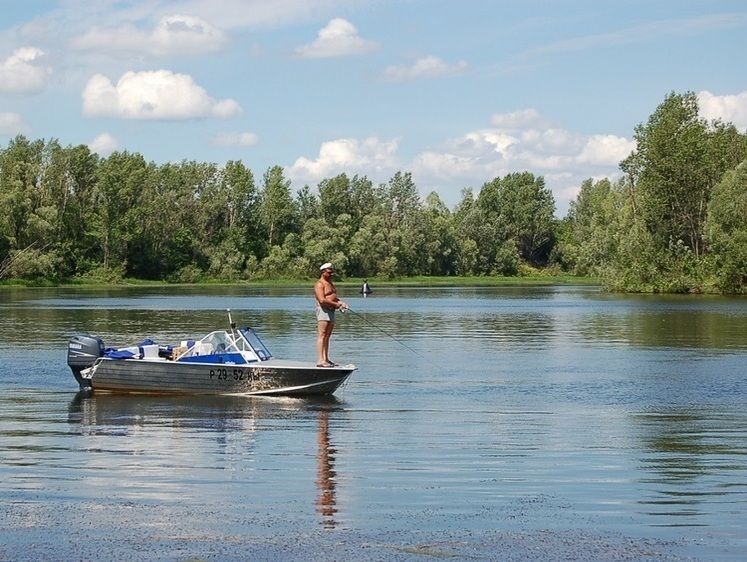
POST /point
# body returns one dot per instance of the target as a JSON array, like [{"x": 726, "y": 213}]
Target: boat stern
[{"x": 82, "y": 352}]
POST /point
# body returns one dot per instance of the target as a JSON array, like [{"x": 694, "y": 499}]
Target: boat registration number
[{"x": 232, "y": 374}]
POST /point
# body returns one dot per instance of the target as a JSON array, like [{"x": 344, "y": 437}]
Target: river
[{"x": 540, "y": 423}]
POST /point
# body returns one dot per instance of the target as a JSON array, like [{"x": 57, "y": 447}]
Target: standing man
[{"x": 327, "y": 302}]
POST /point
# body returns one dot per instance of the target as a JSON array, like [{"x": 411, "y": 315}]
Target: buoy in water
[{"x": 365, "y": 289}]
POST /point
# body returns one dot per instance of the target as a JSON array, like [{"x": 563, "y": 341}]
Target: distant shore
[{"x": 418, "y": 281}]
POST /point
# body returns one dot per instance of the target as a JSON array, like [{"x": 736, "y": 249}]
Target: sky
[{"x": 457, "y": 93}]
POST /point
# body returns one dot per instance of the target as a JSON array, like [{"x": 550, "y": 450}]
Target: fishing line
[{"x": 390, "y": 336}]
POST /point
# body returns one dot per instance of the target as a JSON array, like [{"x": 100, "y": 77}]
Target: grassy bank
[{"x": 419, "y": 281}]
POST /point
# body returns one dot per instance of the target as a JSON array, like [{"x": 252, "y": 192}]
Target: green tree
[
  {"x": 308, "y": 205},
  {"x": 76, "y": 188},
  {"x": 593, "y": 223},
  {"x": 277, "y": 208},
  {"x": 521, "y": 208},
  {"x": 324, "y": 242},
  {"x": 120, "y": 177},
  {"x": 369, "y": 249},
  {"x": 726, "y": 228},
  {"x": 404, "y": 214},
  {"x": 678, "y": 160},
  {"x": 20, "y": 174},
  {"x": 440, "y": 237},
  {"x": 476, "y": 253},
  {"x": 335, "y": 197}
]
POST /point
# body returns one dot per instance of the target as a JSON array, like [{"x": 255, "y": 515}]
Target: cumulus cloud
[
  {"x": 514, "y": 142},
  {"x": 423, "y": 68},
  {"x": 153, "y": 95},
  {"x": 604, "y": 150},
  {"x": 23, "y": 72},
  {"x": 104, "y": 144},
  {"x": 338, "y": 38},
  {"x": 370, "y": 156},
  {"x": 235, "y": 139},
  {"x": 11, "y": 124},
  {"x": 499, "y": 150},
  {"x": 172, "y": 35},
  {"x": 522, "y": 141},
  {"x": 729, "y": 108}
]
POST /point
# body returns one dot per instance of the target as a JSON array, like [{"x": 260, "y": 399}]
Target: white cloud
[
  {"x": 517, "y": 142},
  {"x": 605, "y": 150},
  {"x": 235, "y": 139},
  {"x": 337, "y": 39},
  {"x": 11, "y": 124},
  {"x": 521, "y": 141},
  {"x": 172, "y": 35},
  {"x": 729, "y": 108},
  {"x": 522, "y": 118},
  {"x": 153, "y": 95},
  {"x": 22, "y": 72},
  {"x": 371, "y": 156},
  {"x": 423, "y": 68},
  {"x": 104, "y": 144}
]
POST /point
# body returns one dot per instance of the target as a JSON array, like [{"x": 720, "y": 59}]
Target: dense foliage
[{"x": 675, "y": 222}]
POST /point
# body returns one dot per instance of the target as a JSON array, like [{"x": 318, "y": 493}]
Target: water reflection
[
  {"x": 692, "y": 457},
  {"x": 234, "y": 423},
  {"x": 326, "y": 503}
]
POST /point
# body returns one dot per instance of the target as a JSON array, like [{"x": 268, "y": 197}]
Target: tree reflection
[{"x": 690, "y": 454}]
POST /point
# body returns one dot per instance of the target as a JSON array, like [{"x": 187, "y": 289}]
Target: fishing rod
[{"x": 388, "y": 335}]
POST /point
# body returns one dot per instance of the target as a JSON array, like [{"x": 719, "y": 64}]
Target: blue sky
[{"x": 457, "y": 93}]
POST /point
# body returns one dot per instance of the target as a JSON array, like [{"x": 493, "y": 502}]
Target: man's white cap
[{"x": 326, "y": 266}]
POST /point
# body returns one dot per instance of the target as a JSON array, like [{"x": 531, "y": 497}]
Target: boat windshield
[
  {"x": 218, "y": 342},
  {"x": 257, "y": 345}
]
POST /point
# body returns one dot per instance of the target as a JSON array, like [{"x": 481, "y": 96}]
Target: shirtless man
[{"x": 327, "y": 302}]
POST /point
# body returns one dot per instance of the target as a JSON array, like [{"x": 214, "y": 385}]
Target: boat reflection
[{"x": 139, "y": 416}]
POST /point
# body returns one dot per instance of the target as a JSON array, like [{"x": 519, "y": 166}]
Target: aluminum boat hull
[{"x": 271, "y": 377}]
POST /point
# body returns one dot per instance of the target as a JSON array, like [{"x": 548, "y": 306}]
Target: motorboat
[{"x": 234, "y": 361}]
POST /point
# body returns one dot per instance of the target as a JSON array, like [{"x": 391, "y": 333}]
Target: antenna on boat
[{"x": 231, "y": 322}]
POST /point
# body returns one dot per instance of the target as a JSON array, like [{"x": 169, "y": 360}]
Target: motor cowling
[{"x": 82, "y": 351}]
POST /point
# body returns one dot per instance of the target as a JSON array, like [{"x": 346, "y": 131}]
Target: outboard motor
[{"x": 82, "y": 351}]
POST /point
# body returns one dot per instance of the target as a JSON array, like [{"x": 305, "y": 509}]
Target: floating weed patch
[{"x": 430, "y": 550}]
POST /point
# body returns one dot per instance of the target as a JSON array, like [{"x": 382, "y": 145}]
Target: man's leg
[
  {"x": 322, "y": 341},
  {"x": 327, "y": 337}
]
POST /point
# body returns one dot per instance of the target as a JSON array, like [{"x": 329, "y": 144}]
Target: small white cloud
[
  {"x": 172, "y": 35},
  {"x": 605, "y": 150},
  {"x": 153, "y": 95},
  {"x": 338, "y": 38},
  {"x": 235, "y": 139},
  {"x": 22, "y": 72},
  {"x": 423, "y": 68},
  {"x": 371, "y": 156},
  {"x": 11, "y": 124},
  {"x": 520, "y": 119},
  {"x": 728, "y": 108},
  {"x": 104, "y": 144}
]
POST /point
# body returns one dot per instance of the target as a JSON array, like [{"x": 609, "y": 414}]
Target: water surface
[{"x": 486, "y": 423}]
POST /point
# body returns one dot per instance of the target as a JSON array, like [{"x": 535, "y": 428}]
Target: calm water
[{"x": 483, "y": 424}]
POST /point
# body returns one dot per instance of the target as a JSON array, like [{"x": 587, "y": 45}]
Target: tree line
[{"x": 675, "y": 221}]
